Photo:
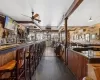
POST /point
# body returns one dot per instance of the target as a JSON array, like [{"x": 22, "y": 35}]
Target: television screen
[{"x": 9, "y": 23}]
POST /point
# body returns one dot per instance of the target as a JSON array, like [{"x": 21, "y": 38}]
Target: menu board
[{"x": 9, "y": 23}]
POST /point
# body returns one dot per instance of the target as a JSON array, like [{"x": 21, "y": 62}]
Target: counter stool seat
[
  {"x": 9, "y": 66},
  {"x": 5, "y": 69}
]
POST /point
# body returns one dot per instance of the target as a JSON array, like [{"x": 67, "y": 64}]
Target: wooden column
[{"x": 66, "y": 44}]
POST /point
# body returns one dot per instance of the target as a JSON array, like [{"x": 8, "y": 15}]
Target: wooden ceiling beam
[{"x": 72, "y": 8}]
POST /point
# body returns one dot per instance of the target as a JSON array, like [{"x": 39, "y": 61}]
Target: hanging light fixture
[{"x": 90, "y": 19}]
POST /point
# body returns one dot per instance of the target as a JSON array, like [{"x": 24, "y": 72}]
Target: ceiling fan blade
[
  {"x": 36, "y": 15},
  {"x": 36, "y": 24},
  {"x": 38, "y": 20},
  {"x": 26, "y": 15}
]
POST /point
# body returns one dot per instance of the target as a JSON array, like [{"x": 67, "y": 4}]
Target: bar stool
[
  {"x": 14, "y": 67},
  {"x": 36, "y": 55},
  {"x": 8, "y": 69},
  {"x": 27, "y": 60},
  {"x": 40, "y": 51},
  {"x": 31, "y": 61},
  {"x": 20, "y": 65}
]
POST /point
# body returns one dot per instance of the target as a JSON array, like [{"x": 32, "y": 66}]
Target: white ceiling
[
  {"x": 88, "y": 8},
  {"x": 50, "y": 11}
]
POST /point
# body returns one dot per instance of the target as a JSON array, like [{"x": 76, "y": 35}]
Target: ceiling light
[{"x": 90, "y": 20}]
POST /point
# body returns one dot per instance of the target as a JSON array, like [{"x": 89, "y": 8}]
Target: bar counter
[
  {"x": 9, "y": 48},
  {"x": 20, "y": 59},
  {"x": 78, "y": 58}
]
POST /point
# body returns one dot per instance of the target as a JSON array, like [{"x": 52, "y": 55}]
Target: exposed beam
[{"x": 72, "y": 8}]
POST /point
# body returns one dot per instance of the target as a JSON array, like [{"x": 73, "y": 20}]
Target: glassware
[{"x": 91, "y": 53}]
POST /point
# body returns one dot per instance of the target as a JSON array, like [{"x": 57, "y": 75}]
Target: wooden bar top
[
  {"x": 3, "y": 47},
  {"x": 9, "y": 48}
]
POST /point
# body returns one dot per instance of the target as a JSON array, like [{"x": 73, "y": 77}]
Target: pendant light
[{"x": 90, "y": 19}]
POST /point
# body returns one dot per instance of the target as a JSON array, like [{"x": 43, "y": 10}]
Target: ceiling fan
[{"x": 33, "y": 17}]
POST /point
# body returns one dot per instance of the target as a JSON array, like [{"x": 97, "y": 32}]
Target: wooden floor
[{"x": 51, "y": 68}]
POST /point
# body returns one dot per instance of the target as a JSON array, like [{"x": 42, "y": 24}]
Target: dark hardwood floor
[{"x": 51, "y": 68}]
